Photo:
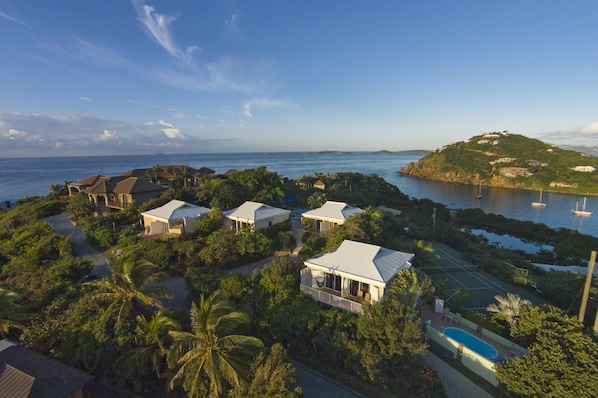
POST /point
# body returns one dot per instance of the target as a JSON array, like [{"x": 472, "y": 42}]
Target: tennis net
[{"x": 465, "y": 268}]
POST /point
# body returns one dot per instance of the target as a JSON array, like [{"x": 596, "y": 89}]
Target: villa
[
  {"x": 330, "y": 214},
  {"x": 175, "y": 217},
  {"x": 255, "y": 215},
  {"x": 116, "y": 193},
  {"x": 353, "y": 274}
]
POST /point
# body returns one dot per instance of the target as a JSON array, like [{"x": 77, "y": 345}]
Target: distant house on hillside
[
  {"x": 584, "y": 169},
  {"x": 330, "y": 214},
  {"x": 320, "y": 185},
  {"x": 255, "y": 215},
  {"x": 26, "y": 374},
  {"x": 355, "y": 273},
  {"x": 175, "y": 217},
  {"x": 514, "y": 172}
]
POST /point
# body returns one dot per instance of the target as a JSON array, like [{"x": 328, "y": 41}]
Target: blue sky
[{"x": 149, "y": 76}]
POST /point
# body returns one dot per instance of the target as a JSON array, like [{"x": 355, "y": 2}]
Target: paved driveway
[{"x": 62, "y": 224}]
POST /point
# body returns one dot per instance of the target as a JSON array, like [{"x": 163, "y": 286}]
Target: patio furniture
[
  {"x": 455, "y": 319},
  {"x": 446, "y": 312}
]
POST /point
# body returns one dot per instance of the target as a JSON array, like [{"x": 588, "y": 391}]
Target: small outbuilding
[
  {"x": 175, "y": 217},
  {"x": 255, "y": 215}
]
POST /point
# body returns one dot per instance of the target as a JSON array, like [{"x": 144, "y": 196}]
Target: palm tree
[
  {"x": 410, "y": 286},
  {"x": 152, "y": 339},
  {"x": 132, "y": 284},
  {"x": 508, "y": 307},
  {"x": 424, "y": 254},
  {"x": 8, "y": 309},
  {"x": 211, "y": 348}
]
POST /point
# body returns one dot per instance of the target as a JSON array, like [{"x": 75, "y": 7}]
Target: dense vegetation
[
  {"x": 119, "y": 329},
  {"x": 477, "y": 160}
]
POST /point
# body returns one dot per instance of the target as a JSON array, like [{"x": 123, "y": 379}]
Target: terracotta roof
[
  {"x": 25, "y": 373},
  {"x": 91, "y": 179},
  {"x": 137, "y": 185},
  {"x": 134, "y": 173},
  {"x": 231, "y": 171}
]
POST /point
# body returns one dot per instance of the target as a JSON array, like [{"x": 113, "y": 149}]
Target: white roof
[
  {"x": 254, "y": 211},
  {"x": 176, "y": 210},
  {"x": 333, "y": 211},
  {"x": 363, "y": 261}
]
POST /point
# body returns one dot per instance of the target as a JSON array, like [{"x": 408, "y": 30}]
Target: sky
[{"x": 116, "y": 77}]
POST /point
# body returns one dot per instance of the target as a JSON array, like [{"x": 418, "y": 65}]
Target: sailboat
[
  {"x": 479, "y": 195},
  {"x": 581, "y": 212},
  {"x": 539, "y": 203}
]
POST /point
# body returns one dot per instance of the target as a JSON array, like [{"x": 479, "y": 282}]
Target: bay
[{"x": 20, "y": 177}]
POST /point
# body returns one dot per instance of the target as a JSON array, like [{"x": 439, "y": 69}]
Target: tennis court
[{"x": 464, "y": 283}]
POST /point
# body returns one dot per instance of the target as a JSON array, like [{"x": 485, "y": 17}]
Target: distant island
[
  {"x": 502, "y": 159},
  {"x": 407, "y": 152},
  {"x": 329, "y": 153}
]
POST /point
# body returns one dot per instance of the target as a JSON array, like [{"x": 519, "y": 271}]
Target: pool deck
[{"x": 439, "y": 323}]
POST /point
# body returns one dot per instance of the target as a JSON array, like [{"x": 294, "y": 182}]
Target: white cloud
[
  {"x": 157, "y": 26},
  {"x": 107, "y": 135},
  {"x": 266, "y": 103},
  {"x": 86, "y": 99},
  {"x": 172, "y": 132},
  {"x": 231, "y": 26},
  {"x": 586, "y": 135},
  {"x": 5, "y": 16}
]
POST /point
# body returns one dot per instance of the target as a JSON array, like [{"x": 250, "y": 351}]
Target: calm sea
[{"x": 21, "y": 177}]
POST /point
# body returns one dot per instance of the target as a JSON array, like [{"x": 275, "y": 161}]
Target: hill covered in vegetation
[{"x": 509, "y": 160}]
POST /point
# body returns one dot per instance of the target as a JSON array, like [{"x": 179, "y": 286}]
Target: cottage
[
  {"x": 330, "y": 214},
  {"x": 356, "y": 271},
  {"x": 255, "y": 215},
  {"x": 26, "y": 374},
  {"x": 175, "y": 217}
]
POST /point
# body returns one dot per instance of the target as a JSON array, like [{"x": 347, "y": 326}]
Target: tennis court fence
[{"x": 465, "y": 268}]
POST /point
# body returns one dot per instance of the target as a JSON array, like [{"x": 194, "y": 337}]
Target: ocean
[{"x": 21, "y": 177}]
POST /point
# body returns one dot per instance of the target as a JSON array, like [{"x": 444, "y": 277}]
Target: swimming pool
[{"x": 471, "y": 342}]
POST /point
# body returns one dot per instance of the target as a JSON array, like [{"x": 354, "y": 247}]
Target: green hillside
[{"x": 509, "y": 160}]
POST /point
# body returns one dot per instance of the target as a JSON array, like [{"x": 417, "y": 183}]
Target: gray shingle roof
[
  {"x": 364, "y": 261},
  {"x": 333, "y": 211}
]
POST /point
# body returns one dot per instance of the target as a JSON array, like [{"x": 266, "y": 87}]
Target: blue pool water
[{"x": 472, "y": 342}]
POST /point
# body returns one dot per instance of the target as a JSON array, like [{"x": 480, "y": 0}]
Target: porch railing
[{"x": 331, "y": 299}]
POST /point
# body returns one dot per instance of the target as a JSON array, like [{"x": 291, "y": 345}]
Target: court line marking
[{"x": 486, "y": 281}]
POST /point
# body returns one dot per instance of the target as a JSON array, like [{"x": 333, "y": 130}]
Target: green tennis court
[{"x": 464, "y": 283}]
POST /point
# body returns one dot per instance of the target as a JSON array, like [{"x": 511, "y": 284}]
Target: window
[{"x": 333, "y": 282}]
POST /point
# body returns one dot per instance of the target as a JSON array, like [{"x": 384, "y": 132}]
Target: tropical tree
[
  {"x": 8, "y": 309},
  {"x": 508, "y": 307},
  {"x": 316, "y": 200},
  {"x": 562, "y": 358},
  {"x": 411, "y": 285},
  {"x": 152, "y": 339},
  {"x": 424, "y": 254},
  {"x": 211, "y": 348},
  {"x": 132, "y": 284},
  {"x": 80, "y": 206}
]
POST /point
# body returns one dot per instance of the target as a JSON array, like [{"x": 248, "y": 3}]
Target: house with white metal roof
[
  {"x": 175, "y": 217},
  {"x": 354, "y": 273},
  {"x": 255, "y": 215},
  {"x": 330, "y": 214}
]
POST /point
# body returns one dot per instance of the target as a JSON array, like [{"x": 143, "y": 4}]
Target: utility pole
[
  {"x": 586, "y": 289},
  {"x": 434, "y": 222}
]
